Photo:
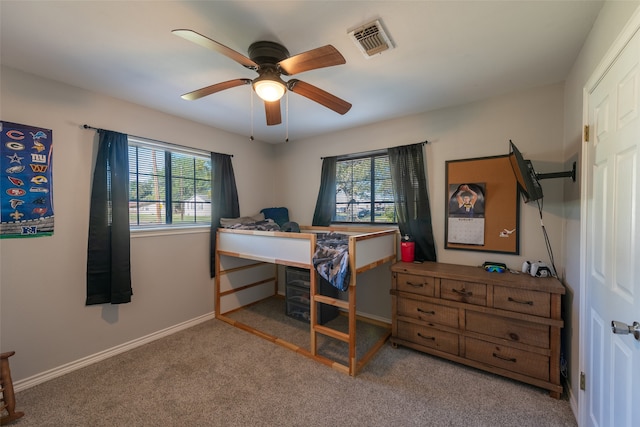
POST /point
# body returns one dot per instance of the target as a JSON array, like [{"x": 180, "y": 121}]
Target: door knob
[{"x": 624, "y": 329}]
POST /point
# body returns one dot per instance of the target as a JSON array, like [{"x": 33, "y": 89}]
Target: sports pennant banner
[{"x": 26, "y": 187}]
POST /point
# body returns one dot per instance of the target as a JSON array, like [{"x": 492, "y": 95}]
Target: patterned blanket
[
  {"x": 266, "y": 225},
  {"x": 331, "y": 259}
]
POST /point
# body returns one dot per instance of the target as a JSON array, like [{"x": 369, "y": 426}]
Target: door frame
[{"x": 621, "y": 41}]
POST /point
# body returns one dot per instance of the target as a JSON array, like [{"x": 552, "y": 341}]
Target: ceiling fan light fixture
[
  {"x": 271, "y": 60},
  {"x": 268, "y": 88}
]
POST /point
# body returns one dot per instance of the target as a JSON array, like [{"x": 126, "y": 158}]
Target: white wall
[
  {"x": 532, "y": 119},
  {"x": 42, "y": 281},
  {"x": 612, "y": 18}
]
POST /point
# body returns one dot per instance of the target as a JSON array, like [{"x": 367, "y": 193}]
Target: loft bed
[{"x": 236, "y": 286}]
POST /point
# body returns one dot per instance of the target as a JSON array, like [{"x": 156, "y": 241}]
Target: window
[
  {"x": 163, "y": 175},
  {"x": 363, "y": 189}
]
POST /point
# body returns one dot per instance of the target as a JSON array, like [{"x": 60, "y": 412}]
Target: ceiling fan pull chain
[
  {"x": 286, "y": 118},
  {"x": 251, "y": 100}
]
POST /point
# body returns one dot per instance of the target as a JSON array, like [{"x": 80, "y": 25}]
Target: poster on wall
[
  {"x": 26, "y": 187},
  {"x": 466, "y": 214}
]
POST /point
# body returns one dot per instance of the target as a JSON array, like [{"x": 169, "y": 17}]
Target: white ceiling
[{"x": 447, "y": 53}]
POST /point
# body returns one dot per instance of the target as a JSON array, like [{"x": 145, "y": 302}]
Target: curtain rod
[
  {"x": 368, "y": 153},
  {"x": 85, "y": 126}
]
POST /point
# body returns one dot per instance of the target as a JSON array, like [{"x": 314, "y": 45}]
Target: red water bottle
[{"x": 407, "y": 249}]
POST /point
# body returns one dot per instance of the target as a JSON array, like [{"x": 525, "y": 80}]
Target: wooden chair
[{"x": 8, "y": 401}]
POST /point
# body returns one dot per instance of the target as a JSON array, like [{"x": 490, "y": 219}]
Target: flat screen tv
[{"x": 525, "y": 175}]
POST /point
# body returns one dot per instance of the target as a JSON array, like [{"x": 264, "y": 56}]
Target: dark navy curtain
[
  {"x": 326, "y": 203},
  {"x": 409, "y": 180},
  {"x": 224, "y": 198},
  {"x": 108, "y": 254}
]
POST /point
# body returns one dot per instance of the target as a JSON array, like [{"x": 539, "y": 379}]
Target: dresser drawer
[
  {"x": 467, "y": 292},
  {"x": 505, "y": 357},
  {"x": 428, "y": 337},
  {"x": 509, "y": 329},
  {"x": 522, "y": 301},
  {"x": 428, "y": 312},
  {"x": 416, "y": 284}
]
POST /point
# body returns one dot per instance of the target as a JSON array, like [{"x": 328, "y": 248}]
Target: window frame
[
  {"x": 372, "y": 155},
  {"x": 168, "y": 224}
]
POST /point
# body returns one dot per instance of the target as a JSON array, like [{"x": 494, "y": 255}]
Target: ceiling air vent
[{"x": 371, "y": 39}]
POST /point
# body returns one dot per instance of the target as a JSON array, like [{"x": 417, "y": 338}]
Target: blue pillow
[{"x": 279, "y": 215}]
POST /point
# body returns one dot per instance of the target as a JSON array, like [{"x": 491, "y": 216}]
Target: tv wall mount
[{"x": 566, "y": 174}]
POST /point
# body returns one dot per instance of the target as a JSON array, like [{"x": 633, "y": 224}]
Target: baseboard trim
[
  {"x": 374, "y": 317},
  {"x": 89, "y": 360}
]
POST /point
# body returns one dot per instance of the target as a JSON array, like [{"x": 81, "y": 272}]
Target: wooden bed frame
[{"x": 368, "y": 248}]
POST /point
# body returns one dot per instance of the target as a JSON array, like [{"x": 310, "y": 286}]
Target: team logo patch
[
  {"x": 39, "y": 211},
  {"x": 38, "y": 190},
  {"x": 38, "y": 135},
  {"x": 16, "y": 146},
  {"x": 38, "y": 158},
  {"x": 15, "y": 134},
  {"x": 39, "y": 168},
  {"x": 17, "y": 192},
  {"x": 39, "y": 179},
  {"x": 15, "y": 169},
  {"x": 38, "y": 146},
  {"x": 15, "y": 203},
  {"x": 16, "y": 181},
  {"x": 33, "y": 229},
  {"x": 16, "y": 215},
  {"x": 15, "y": 158}
]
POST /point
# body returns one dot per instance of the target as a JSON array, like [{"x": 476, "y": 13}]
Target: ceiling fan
[{"x": 271, "y": 60}]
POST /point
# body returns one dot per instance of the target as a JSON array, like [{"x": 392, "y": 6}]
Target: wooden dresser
[{"x": 504, "y": 323}]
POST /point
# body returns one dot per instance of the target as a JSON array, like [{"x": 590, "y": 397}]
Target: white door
[{"x": 611, "y": 255}]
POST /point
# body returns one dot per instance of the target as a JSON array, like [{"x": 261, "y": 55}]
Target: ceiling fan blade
[
  {"x": 318, "y": 95},
  {"x": 204, "y": 41},
  {"x": 325, "y": 56},
  {"x": 272, "y": 109},
  {"x": 197, "y": 94}
]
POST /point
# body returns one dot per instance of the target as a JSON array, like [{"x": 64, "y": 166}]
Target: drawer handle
[
  {"x": 432, "y": 312},
  {"x": 426, "y": 337},
  {"x": 506, "y": 359},
  {"x": 462, "y": 292},
  {"x": 415, "y": 285},
  {"x": 519, "y": 301}
]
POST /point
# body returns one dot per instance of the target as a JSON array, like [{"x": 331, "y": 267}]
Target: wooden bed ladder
[
  {"x": 349, "y": 306},
  {"x": 355, "y": 364}
]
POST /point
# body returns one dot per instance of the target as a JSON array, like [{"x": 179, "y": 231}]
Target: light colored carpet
[
  {"x": 217, "y": 375},
  {"x": 269, "y": 316}
]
